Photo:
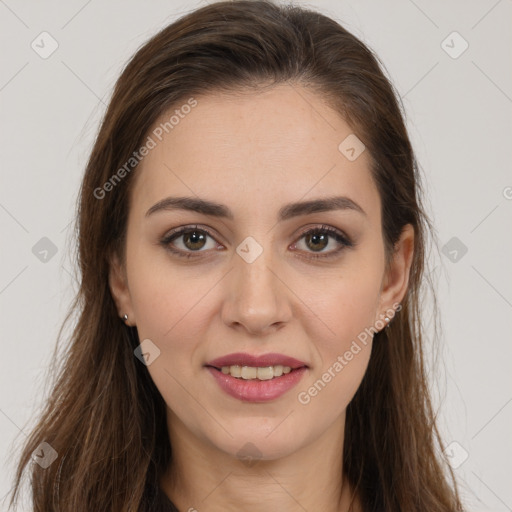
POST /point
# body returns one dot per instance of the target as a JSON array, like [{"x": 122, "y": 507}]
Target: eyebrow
[{"x": 288, "y": 211}]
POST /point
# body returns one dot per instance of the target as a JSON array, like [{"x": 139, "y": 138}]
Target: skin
[{"x": 255, "y": 152}]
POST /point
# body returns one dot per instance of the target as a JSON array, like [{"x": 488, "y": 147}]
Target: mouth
[
  {"x": 256, "y": 372},
  {"x": 250, "y": 367},
  {"x": 256, "y": 378}
]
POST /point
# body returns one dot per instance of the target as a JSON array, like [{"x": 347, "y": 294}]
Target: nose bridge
[{"x": 258, "y": 298}]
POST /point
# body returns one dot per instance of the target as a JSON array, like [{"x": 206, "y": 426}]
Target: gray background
[{"x": 459, "y": 117}]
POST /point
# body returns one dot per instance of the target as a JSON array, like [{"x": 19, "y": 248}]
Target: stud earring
[{"x": 125, "y": 317}]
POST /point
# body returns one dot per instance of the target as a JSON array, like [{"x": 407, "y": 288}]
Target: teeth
[
  {"x": 278, "y": 370},
  {"x": 248, "y": 372},
  {"x": 235, "y": 371},
  {"x": 251, "y": 372}
]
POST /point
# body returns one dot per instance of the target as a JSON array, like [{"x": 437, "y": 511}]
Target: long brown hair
[{"x": 105, "y": 418}]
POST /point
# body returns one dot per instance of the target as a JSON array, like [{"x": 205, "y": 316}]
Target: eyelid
[{"x": 184, "y": 229}]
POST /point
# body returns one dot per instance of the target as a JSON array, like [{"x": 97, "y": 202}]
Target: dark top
[
  {"x": 163, "y": 503},
  {"x": 155, "y": 500}
]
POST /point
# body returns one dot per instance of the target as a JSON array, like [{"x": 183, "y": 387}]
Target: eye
[
  {"x": 318, "y": 238},
  {"x": 193, "y": 240}
]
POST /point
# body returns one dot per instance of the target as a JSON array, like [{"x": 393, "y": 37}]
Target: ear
[
  {"x": 118, "y": 284},
  {"x": 396, "y": 276}
]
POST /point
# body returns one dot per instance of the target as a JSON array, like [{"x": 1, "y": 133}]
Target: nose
[{"x": 258, "y": 300}]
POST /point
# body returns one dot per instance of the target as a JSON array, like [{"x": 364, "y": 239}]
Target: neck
[{"x": 202, "y": 477}]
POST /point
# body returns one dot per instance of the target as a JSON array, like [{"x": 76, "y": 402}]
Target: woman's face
[{"x": 244, "y": 279}]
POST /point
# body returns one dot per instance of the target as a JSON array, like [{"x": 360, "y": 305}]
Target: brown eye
[
  {"x": 194, "y": 240},
  {"x": 187, "y": 241},
  {"x": 317, "y": 239}
]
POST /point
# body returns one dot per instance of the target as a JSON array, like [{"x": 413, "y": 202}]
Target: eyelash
[{"x": 340, "y": 237}]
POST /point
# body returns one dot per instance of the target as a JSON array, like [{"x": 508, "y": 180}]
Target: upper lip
[{"x": 244, "y": 359}]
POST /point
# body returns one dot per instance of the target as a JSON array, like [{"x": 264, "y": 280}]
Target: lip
[
  {"x": 255, "y": 390},
  {"x": 244, "y": 359}
]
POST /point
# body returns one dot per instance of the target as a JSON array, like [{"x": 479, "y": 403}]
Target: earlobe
[
  {"x": 119, "y": 289},
  {"x": 396, "y": 277}
]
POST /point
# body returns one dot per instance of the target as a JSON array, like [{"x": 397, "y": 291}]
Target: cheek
[
  {"x": 170, "y": 306},
  {"x": 348, "y": 307},
  {"x": 172, "y": 310},
  {"x": 166, "y": 298},
  {"x": 343, "y": 356}
]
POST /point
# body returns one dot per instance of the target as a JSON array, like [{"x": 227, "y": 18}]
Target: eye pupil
[
  {"x": 316, "y": 237},
  {"x": 194, "y": 237}
]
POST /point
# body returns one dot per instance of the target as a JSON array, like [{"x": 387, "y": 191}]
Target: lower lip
[{"x": 257, "y": 390}]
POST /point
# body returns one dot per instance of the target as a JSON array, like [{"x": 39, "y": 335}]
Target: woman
[{"x": 251, "y": 244}]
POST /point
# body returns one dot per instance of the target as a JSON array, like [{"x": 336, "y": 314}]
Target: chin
[{"x": 259, "y": 439}]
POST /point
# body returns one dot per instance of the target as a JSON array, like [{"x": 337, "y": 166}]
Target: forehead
[{"x": 255, "y": 148}]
